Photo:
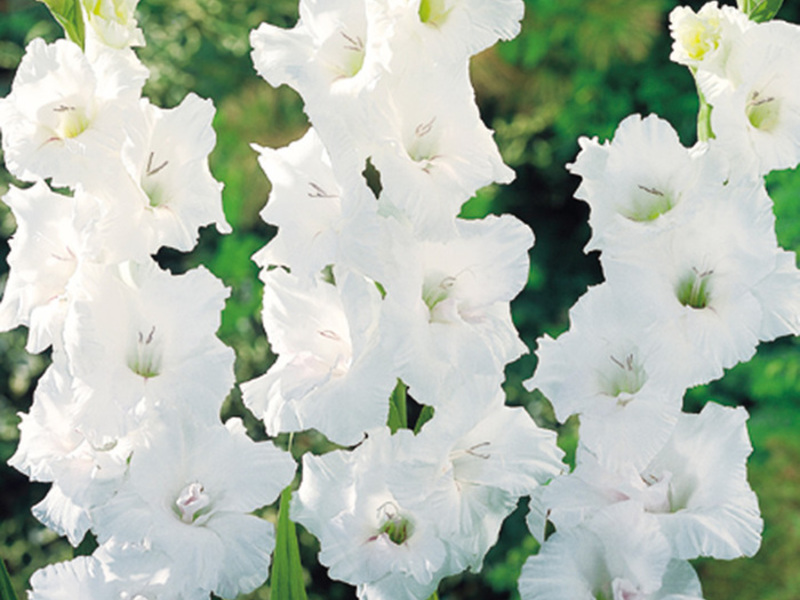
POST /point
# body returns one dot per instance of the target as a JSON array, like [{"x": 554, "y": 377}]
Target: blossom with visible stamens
[
  {"x": 448, "y": 310},
  {"x": 616, "y": 554},
  {"x": 387, "y": 546},
  {"x": 694, "y": 489},
  {"x": 432, "y": 150},
  {"x": 642, "y": 181},
  {"x": 64, "y": 116},
  {"x": 137, "y": 336},
  {"x": 756, "y": 115},
  {"x": 620, "y": 381},
  {"x": 339, "y": 224},
  {"x": 700, "y": 281},
  {"x": 188, "y": 494},
  {"x": 166, "y": 157}
]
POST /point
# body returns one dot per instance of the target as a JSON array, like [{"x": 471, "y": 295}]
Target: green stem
[
  {"x": 704, "y": 131},
  {"x": 6, "y": 591}
]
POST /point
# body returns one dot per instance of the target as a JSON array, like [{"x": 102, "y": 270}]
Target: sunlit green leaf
[
  {"x": 760, "y": 10},
  {"x": 398, "y": 417},
  {"x": 69, "y": 16},
  {"x": 287, "y": 573}
]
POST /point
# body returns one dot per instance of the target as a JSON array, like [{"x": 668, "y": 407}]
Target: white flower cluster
[
  {"x": 695, "y": 279},
  {"x": 368, "y": 283},
  {"x": 125, "y": 422}
]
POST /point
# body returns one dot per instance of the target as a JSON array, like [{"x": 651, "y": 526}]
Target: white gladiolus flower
[
  {"x": 52, "y": 448},
  {"x": 701, "y": 281},
  {"x": 617, "y": 377},
  {"x": 391, "y": 549},
  {"x": 641, "y": 182},
  {"x": 188, "y": 494},
  {"x": 139, "y": 337},
  {"x": 336, "y": 51},
  {"x": 449, "y": 311},
  {"x": 432, "y": 150},
  {"x": 111, "y": 23},
  {"x": 64, "y": 116},
  {"x": 695, "y": 488},
  {"x": 321, "y": 222},
  {"x": 332, "y": 47},
  {"x": 54, "y": 234},
  {"x": 166, "y": 192},
  {"x": 617, "y": 554},
  {"x": 477, "y": 466},
  {"x": 703, "y": 40},
  {"x": 331, "y": 373},
  {"x": 756, "y": 116},
  {"x": 453, "y": 30}
]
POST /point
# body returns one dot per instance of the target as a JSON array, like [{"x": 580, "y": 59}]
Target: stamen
[
  {"x": 652, "y": 191},
  {"x": 152, "y": 171},
  {"x": 319, "y": 192},
  {"x": 424, "y": 128},
  {"x": 471, "y": 450},
  {"x": 356, "y": 45}
]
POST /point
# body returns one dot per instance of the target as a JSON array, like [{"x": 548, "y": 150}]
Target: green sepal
[
  {"x": 398, "y": 415},
  {"x": 6, "y": 590},
  {"x": 760, "y": 10},
  {"x": 69, "y": 15},
  {"x": 286, "y": 579}
]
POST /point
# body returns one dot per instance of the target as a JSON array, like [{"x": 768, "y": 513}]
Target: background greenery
[{"x": 578, "y": 68}]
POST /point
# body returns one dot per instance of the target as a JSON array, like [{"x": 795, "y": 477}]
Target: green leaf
[
  {"x": 398, "y": 415},
  {"x": 87, "y": 545},
  {"x": 425, "y": 415},
  {"x": 69, "y": 16},
  {"x": 287, "y": 573},
  {"x": 6, "y": 591},
  {"x": 760, "y": 10}
]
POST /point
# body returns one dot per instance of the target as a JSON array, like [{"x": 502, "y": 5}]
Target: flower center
[
  {"x": 150, "y": 185},
  {"x": 762, "y": 111},
  {"x": 433, "y": 12},
  {"x": 436, "y": 288},
  {"x": 395, "y": 526},
  {"x": 145, "y": 356},
  {"x": 343, "y": 53},
  {"x": 192, "y": 502},
  {"x": 699, "y": 36},
  {"x": 422, "y": 147},
  {"x": 694, "y": 288},
  {"x": 71, "y": 121},
  {"x": 647, "y": 204},
  {"x": 625, "y": 377}
]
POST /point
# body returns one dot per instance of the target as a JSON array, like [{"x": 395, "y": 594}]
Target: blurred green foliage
[{"x": 578, "y": 68}]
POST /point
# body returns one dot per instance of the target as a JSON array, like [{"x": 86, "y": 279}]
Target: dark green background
[{"x": 578, "y": 68}]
